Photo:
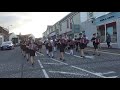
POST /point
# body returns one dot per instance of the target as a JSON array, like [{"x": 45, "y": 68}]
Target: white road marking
[
  {"x": 45, "y": 73},
  {"x": 68, "y": 73},
  {"x": 40, "y": 64},
  {"x": 106, "y": 52},
  {"x": 40, "y": 54},
  {"x": 90, "y": 57},
  {"x": 88, "y": 71},
  {"x": 54, "y": 63},
  {"x": 96, "y": 74},
  {"x": 78, "y": 56},
  {"x": 106, "y": 73},
  {"x": 59, "y": 61},
  {"x": 109, "y": 72},
  {"x": 112, "y": 77},
  {"x": 67, "y": 53}
]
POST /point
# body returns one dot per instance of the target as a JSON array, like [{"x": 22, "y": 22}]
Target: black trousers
[{"x": 108, "y": 43}]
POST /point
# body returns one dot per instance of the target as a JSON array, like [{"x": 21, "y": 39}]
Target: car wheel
[{"x": 1, "y": 48}]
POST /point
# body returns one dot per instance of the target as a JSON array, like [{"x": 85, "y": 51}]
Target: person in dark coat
[{"x": 108, "y": 40}]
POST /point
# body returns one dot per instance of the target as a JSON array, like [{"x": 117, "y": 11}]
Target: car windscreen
[{"x": 6, "y": 43}]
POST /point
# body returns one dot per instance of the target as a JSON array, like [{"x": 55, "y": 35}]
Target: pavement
[{"x": 107, "y": 65}]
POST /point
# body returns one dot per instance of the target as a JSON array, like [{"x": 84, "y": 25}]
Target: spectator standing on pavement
[
  {"x": 96, "y": 42},
  {"x": 108, "y": 40}
]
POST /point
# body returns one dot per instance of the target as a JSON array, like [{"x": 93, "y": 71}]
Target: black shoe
[
  {"x": 83, "y": 56},
  {"x": 98, "y": 54},
  {"x": 32, "y": 64},
  {"x": 93, "y": 54},
  {"x": 27, "y": 60},
  {"x": 60, "y": 58},
  {"x": 52, "y": 56},
  {"x": 63, "y": 60}
]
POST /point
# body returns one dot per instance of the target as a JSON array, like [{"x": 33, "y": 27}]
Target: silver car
[{"x": 8, "y": 45}]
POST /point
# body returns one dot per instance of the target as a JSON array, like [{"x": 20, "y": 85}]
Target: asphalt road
[{"x": 14, "y": 65}]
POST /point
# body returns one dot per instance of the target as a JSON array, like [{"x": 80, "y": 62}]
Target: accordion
[
  {"x": 97, "y": 40},
  {"x": 83, "y": 40}
]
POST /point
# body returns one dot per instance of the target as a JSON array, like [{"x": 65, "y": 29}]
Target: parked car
[{"x": 8, "y": 45}]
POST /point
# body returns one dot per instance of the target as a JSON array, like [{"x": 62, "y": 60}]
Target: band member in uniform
[
  {"x": 55, "y": 44},
  {"x": 62, "y": 48},
  {"x": 82, "y": 45},
  {"x": 33, "y": 49},
  {"x": 98, "y": 36},
  {"x": 76, "y": 44},
  {"x": 50, "y": 48},
  {"x": 40, "y": 46},
  {"x": 21, "y": 46},
  {"x": 46, "y": 45},
  {"x": 86, "y": 42},
  {"x": 24, "y": 47},
  {"x": 96, "y": 42},
  {"x": 71, "y": 46},
  {"x": 27, "y": 50}
]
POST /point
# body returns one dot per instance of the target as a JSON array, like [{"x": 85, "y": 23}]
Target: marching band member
[{"x": 96, "y": 42}]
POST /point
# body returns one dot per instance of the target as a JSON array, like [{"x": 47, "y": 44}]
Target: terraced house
[
  {"x": 4, "y": 34},
  {"x": 90, "y": 22}
]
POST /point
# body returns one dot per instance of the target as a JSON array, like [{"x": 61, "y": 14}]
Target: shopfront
[
  {"x": 109, "y": 24},
  {"x": 109, "y": 28}
]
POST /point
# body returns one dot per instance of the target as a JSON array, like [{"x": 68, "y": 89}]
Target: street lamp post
[{"x": 9, "y": 27}]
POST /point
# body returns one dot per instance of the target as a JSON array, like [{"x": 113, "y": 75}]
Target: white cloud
[{"x": 30, "y": 22}]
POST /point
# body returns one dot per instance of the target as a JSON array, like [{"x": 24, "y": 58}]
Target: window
[
  {"x": 110, "y": 29},
  {"x": 71, "y": 23},
  {"x": 101, "y": 31},
  {"x": 60, "y": 27},
  {"x": 67, "y": 23}
]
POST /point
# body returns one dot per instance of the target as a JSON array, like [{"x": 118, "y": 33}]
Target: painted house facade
[{"x": 4, "y": 34}]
